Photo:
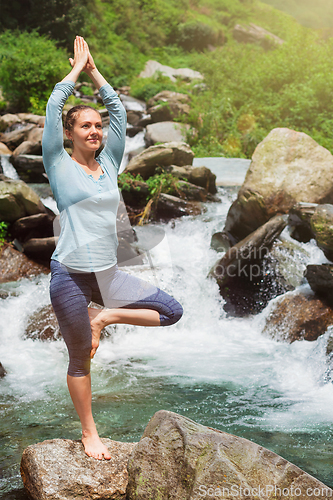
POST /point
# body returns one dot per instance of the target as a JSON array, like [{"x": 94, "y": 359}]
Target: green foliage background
[{"x": 248, "y": 91}]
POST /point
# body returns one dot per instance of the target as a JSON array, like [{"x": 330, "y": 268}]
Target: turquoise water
[{"x": 219, "y": 371}]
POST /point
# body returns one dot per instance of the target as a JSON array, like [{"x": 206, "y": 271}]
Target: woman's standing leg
[{"x": 70, "y": 296}]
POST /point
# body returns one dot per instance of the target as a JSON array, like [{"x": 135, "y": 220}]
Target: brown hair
[{"x": 74, "y": 113}]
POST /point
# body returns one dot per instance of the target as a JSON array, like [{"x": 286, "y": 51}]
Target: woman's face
[{"x": 87, "y": 133}]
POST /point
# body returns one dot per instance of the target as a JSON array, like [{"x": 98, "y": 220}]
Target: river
[{"x": 217, "y": 370}]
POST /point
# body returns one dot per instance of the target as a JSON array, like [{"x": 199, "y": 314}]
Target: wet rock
[
  {"x": 2, "y": 371},
  {"x": 8, "y": 120},
  {"x": 200, "y": 176},
  {"x": 153, "y": 68},
  {"x": 28, "y": 148},
  {"x": 43, "y": 325},
  {"x": 34, "y": 226},
  {"x": 166, "y": 131},
  {"x": 298, "y": 317},
  {"x": 31, "y": 118},
  {"x": 322, "y": 227},
  {"x": 168, "y": 106},
  {"x": 169, "y": 207},
  {"x": 18, "y": 200},
  {"x": 29, "y": 167},
  {"x": 59, "y": 469},
  {"x": 281, "y": 174},
  {"x": 255, "y": 34},
  {"x": 171, "y": 153},
  {"x": 133, "y": 117},
  {"x": 14, "y": 138},
  {"x": 320, "y": 279},
  {"x": 15, "y": 265},
  {"x": 176, "y": 458},
  {"x": 40, "y": 249},
  {"x": 4, "y": 150},
  {"x": 247, "y": 278},
  {"x": 300, "y": 221},
  {"x": 220, "y": 242},
  {"x": 167, "y": 96},
  {"x": 191, "y": 192},
  {"x": 133, "y": 131}
]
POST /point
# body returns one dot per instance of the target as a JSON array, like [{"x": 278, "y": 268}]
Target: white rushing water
[{"x": 206, "y": 346}]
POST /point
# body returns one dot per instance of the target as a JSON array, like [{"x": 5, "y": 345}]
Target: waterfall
[{"x": 218, "y": 370}]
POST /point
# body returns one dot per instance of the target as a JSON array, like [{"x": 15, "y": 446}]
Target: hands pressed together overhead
[{"x": 82, "y": 57}]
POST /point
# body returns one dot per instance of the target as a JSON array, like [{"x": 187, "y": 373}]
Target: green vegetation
[
  {"x": 318, "y": 14},
  {"x": 248, "y": 91},
  {"x": 30, "y": 65},
  {"x": 3, "y": 233}
]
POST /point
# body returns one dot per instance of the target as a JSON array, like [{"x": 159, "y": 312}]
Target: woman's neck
[{"x": 87, "y": 160}]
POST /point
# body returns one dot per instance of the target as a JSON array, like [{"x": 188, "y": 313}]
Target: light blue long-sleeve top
[{"x": 88, "y": 207}]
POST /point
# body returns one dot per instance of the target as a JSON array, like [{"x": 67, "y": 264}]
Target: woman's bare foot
[
  {"x": 97, "y": 322},
  {"x": 94, "y": 447}
]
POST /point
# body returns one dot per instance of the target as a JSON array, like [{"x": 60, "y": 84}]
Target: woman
[{"x": 83, "y": 266}]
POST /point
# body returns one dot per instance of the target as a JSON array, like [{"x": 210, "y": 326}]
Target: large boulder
[
  {"x": 59, "y": 469},
  {"x": 168, "y": 105},
  {"x": 31, "y": 118},
  {"x": 28, "y": 148},
  {"x": 14, "y": 138},
  {"x": 154, "y": 68},
  {"x": 18, "y": 200},
  {"x": 34, "y": 226},
  {"x": 40, "y": 249},
  {"x": 321, "y": 224},
  {"x": 300, "y": 221},
  {"x": 298, "y": 317},
  {"x": 247, "y": 278},
  {"x": 169, "y": 206},
  {"x": 320, "y": 279},
  {"x": 8, "y": 120},
  {"x": 171, "y": 153},
  {"x": 30, "y": 168},
  {"x": 200, "y": 176},
  {"x": 43, "y": 325},
  {"x": 4, "y": 150},
  {"x": 166, "y": 131},
  {"x": 15, "y": 265},
  {"x": 255, "y": 34},
  {"x": 177, "y": 458},
  {"x": 287, "y": 167}
]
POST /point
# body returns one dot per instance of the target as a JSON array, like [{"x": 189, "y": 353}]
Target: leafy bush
[
  {"x": 145, "y": 88},
  {"x": 3, "y": 232},
  {"x": 30, "y": 65},
  {"x": 195, "y": 35}
]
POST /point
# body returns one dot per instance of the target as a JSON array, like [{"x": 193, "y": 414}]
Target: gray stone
[
  {"x": 177, "y": 458},
  {"x": 298, "y": 317},
  {"x": 166, "y": 131},
  {"x": 8, "y": 120},
  {"x": 154, "y": 68},
  {"x": 18, "y": 200},
  {"x": 43, "y": 325},
  {"x": 14, "y": 138},
  {"x": 169, "y": 111},
  {"x": 31, "y": 118},
  {"x": 168, "y": 96},
  {"x": 248, "y": 278},
  {"x": 300, "y": 221},
  {"x": 40, "y": 249},
  {"x": 30, "y": 167},
  {"x": 171, "y": 153},
  {"x": 320, "y": 279},
  {"x": 322, "y": 227},
  {"x": 255, "y": 34},
  {"x": 28, "y": 148},
  {"x": 59, "y": 469},
  {"x": 287, "y": 167},
  {"x": 15, "y": 265},
  {"x": 169, "y": 206},
  {"x": 2, "y": 371},
  {"x": 4, "y": 150}
]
